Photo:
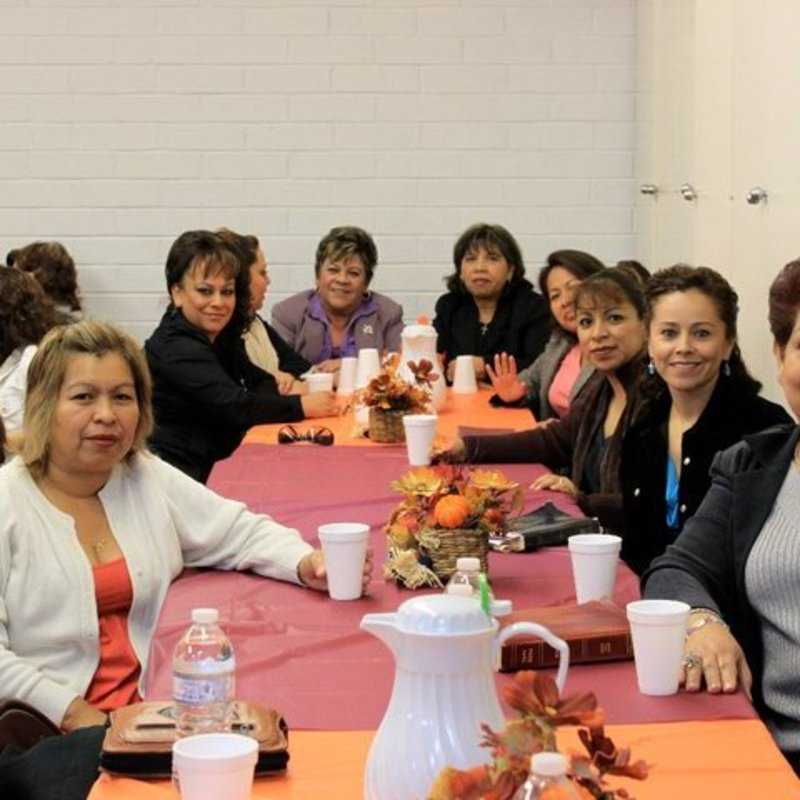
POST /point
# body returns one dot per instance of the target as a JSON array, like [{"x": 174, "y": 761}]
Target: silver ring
[{"x": 691, "y": 660}]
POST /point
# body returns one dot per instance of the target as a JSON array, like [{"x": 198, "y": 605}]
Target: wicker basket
[
  {"x": 386, "y": 426},
  {"x": 454, "y": 544}
]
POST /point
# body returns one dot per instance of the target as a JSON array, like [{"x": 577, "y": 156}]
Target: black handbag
[
  {"x": 548, "y": 526},
  {"x": 22, "y": 726}
]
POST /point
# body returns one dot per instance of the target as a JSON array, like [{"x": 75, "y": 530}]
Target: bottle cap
[
  {"x": 549, "y": 764},
  {"x": 501, "y": 608},
  {"x": 468, "y": 564},
  {"x": 205, "y": 616}
]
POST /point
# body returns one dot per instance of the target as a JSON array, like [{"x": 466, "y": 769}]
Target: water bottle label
[{"x": 198, "y": 691}]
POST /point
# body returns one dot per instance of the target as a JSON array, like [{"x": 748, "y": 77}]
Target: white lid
[
  {"x": 443, "y": 614},
  {"x": 205, "y": 616},
  {"x": 501, "y": 608},
  {"x": 550, "y": 764},
  {"x": 468, "y": 564}
]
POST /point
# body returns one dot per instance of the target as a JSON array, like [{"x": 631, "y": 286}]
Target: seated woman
[
  {"x": 25, "y": 316},
  {"x": 610, "y": 311},
  {"x": 206, "y": 393},
  {"x": 52, "y": 265},
  {"x": 551, "y": 383},
  {"x": 340, "y": 315},
  {"x": 265, "y": 347},
  {"x": 490, "y": 308},
  {"x": 701, "y": 400},
  {"x": 736, "y": 560},
  {"x": 93, "y": 529}
]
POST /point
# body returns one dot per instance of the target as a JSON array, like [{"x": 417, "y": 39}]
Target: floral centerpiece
[
  {"x": 446, "y": 512},
  {"x": 389, "y": 396},
  {"x": 535, "y": 697}
]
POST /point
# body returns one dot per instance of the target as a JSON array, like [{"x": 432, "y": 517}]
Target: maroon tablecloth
[{"x": 305, "y": 654}]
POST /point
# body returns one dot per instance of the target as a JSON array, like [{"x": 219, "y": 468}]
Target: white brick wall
[{"x": 124, "y": 122}]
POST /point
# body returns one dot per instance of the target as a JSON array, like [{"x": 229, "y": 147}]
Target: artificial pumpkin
[{"x": 451, "y": 511}]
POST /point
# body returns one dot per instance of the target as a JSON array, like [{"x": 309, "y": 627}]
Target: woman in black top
[
  {"x": 490, "y": 307},
  {"x": 701, "y": 400},
  {"x": 206, "y": 393}
]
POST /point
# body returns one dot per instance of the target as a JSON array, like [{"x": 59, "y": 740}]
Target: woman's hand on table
[
  {"x": 456, "y": 453},
  {"x": 712, "y": 656},
  {"x": 311, "y": 571},
  {"x": 319, "y": 404},
  {"x": 329, "y": 365},
  {"x": 555, "y": 483},
  {"x": 80, "y": 714},
  {"x": 285, "y": 381},
  {"x": 505, "y": 380}
]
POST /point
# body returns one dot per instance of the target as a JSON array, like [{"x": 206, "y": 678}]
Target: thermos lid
[{"x": 443, "y": 614}]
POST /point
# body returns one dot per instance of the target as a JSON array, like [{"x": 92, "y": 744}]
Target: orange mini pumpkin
[{"x": 451, "y": 511}]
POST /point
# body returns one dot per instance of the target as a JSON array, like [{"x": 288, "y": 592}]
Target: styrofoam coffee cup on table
[
  {"x": 464, "y": 376},
  {"x": 214, "y": 765},
  {"x": 658, "y": 630},
  {"x": 344, "y": 545},
  {"x": 420, "y": 430},
  {"x": 320, "y": 382},
  {"x": 594, "y": 559},
  {"x": 347, "y": 375},
  {"x": 367, "y": 367}
]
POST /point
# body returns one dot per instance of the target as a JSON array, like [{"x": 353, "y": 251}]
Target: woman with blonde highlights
[{"x": 93, "y": 529}]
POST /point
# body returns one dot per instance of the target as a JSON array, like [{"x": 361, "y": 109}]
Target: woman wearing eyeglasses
[{"x": 206, "y": 392}]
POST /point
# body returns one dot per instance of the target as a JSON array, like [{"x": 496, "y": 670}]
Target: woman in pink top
[{"x": 549, "y": 385}]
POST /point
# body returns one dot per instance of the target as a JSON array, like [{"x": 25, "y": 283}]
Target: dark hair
[
  {"x": 613, "y": 284},
  {"x": 25, "y": 313},
  {"x": 53, "y": 267},
  {"x": 208, "y": 252},
  {"x": 489, "y": 237},
  {"x": 347, "y": 241},
  {"x": 684, "y": 278},
  {"x": 635, "y": 269},
  {"x": 579, "y": 264},
  {"x": 784, "y": 302}
]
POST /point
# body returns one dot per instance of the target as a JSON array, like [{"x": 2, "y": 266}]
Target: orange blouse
[{"x": 116, "y": 680}]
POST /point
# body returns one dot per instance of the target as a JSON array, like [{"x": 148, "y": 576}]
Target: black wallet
[{"x": 548, "y": 526}]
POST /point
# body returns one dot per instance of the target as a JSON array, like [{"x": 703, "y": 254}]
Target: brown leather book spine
[{"x": 535, "y": 654}]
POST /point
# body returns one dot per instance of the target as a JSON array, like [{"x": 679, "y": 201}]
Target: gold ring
[{"x": 692, "y": 660}]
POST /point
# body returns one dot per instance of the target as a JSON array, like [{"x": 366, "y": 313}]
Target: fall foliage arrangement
[
  {"x": 389, "y": 391},
  {"x": 442, "y": 507},
  {"x": 534, "y": 696}
]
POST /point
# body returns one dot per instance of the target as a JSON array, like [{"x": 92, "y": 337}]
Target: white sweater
[
  {"x": 162, "y": 521},
  {"x": 13, "y": 384}
]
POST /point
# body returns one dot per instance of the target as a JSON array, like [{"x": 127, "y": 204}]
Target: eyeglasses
[{"x": 288, "y": 434}]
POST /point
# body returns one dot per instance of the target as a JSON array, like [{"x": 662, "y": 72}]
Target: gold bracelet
[{"x": 709, "y": 618}]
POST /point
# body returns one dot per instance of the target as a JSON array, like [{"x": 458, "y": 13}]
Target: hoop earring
[
  {"x": 726, "y": 368},
  {"x": 651, "y": 368}
]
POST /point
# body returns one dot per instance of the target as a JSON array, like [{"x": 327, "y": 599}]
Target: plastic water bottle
[
  {"x": 464, "y": 580},
  {"x": 203, "y": 676},
  {"x": 547, "y": 779}
]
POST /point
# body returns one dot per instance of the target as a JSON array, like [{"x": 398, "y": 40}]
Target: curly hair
[
  {"x": 53, "y": 267},
  {"x": 25, "y": 313}
]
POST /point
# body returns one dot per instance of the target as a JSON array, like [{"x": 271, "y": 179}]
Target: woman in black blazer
[
  {"x": 206, "y": 392},
  {"x": 701, "y": 400},
  {"x": 735, "y": 563}
]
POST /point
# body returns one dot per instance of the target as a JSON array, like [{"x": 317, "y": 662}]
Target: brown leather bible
[
  {"x": 596, "y": 631},
  {"x": 140, "y": 737}
]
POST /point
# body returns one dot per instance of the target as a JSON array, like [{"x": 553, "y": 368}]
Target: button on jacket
[{"x": 733, "y": 411}]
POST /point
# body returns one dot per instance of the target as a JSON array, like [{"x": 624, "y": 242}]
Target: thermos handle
[{"x": 534, "y": 629}]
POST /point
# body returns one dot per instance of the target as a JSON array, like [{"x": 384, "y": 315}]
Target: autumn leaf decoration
[
  {"x": 389, "y": 391},
  {"x": 535, "y": 697}
]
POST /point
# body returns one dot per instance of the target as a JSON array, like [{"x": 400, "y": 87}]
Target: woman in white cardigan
[{"x": 82, "y": 501}]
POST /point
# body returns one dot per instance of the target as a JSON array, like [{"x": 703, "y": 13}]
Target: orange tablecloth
[
  {"x": 732, "y": 760},
  {"x": 460, "y": 409}
]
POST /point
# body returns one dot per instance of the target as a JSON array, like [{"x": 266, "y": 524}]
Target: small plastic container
[
  {"x": 547, "y": 780},
  {"x": 466, "y": 575}
]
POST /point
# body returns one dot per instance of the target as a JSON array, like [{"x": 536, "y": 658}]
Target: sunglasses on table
[{"x": 288, "y": 434}]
